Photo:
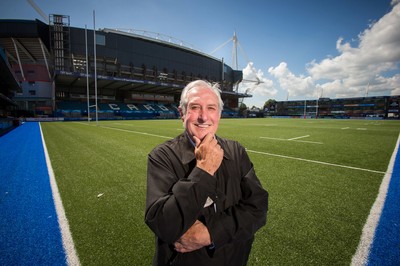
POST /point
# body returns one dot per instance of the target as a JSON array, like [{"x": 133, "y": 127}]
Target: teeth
[{"x": 203, "y": 126}]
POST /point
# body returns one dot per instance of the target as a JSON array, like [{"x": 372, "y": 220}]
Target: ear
[{"x": 181, "y": 113}]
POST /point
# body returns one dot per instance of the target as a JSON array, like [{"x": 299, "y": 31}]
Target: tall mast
[{"x": 234, "y": 52}]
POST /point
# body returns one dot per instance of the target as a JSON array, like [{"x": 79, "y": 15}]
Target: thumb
[{"x": 197, "y": 141}]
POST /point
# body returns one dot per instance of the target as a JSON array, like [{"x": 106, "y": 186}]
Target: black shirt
[{"x": 177, "y": 191}]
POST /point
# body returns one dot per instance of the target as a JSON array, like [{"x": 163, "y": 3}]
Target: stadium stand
[
  {"x": 55, "y": 76},
  {"x": 76, "y": 110},
  {"x": 8, "y": 83},
  {"x": 362, "y": 107},
  {"x": 54, "y": 70}
]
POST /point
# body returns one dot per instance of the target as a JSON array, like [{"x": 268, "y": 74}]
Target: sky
[{"x": 298, "y": 50}]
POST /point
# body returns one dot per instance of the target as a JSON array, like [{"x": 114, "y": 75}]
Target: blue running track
[
  {"x": 385, "y": 248},
  {"x": 29, "y": 230}
]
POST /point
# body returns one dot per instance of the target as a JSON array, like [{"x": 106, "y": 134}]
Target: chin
[
  {"x": 200, "y": 135},
  {"x": 203, "y": 134}
]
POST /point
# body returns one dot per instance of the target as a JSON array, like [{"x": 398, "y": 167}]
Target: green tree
[
  {"x": 242, "y": 109},
  {"x": 270, "y": 106}
]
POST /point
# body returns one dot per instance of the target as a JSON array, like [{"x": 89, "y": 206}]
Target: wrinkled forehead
[{"x": 202, "y": 95}]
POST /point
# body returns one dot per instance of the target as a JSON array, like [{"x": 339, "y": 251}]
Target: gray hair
[{"x": 200, "y": 83}]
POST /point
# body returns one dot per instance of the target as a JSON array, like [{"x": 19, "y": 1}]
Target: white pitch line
[
  {"x": 130, "y": 131},
  {"x": 265, "y": 153},
  {"x": 273, "y": 138},
  {"x": 305, "y": 141},
  {"x": 66, "y": 236},
  {"x": 138, "y": 132},
  {"x": 301, "y": 137},
  {"x": 368, "y": 231},
  {"x": 318, "y": 162}
]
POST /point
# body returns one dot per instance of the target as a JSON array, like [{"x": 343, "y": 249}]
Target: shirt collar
[{"x": 190, "y": 139}]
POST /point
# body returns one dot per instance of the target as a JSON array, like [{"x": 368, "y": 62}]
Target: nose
[{"x": 203, "y": 115}]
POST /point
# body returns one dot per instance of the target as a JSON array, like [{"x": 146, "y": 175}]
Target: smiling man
[{"x": 204, "y": 201}]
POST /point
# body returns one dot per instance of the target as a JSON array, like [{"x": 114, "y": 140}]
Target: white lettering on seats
[
  {"x": 148, "y": 107},
  {"x": 114, "y": 106},
  {"x": 132, "y": 107},
  {"x": 162, "y": 107}
]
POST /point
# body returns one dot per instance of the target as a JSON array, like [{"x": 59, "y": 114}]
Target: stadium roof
[
  {"x": 159, "y": 38},
  {"x": 78, "y": 79}
]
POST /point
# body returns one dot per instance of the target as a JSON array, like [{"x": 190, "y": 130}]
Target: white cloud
[
  {"x": 368, "y": 65},
  {"x": 372, "y": 66},
  {"x": 294, "y": 85},
  {"x": 255, "y": 83}
]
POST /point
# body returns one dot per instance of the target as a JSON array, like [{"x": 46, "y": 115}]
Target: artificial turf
[{"x": 316, "y": 213}]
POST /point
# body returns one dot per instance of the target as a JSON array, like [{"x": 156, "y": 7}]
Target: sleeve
[
  {"x": 242, "y": 220},
  {"x": 173, "y": 203}
]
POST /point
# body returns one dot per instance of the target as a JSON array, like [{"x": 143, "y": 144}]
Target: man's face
[{"x": 202, "y": 112}]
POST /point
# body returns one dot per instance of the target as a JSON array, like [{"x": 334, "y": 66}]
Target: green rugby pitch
[{"x": 322, "y": 176}]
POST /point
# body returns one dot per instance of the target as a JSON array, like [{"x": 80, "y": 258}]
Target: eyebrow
[{"x": 208, "y": 105}]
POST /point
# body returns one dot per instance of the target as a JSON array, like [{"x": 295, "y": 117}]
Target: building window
[{"x": 100, "y": 39}]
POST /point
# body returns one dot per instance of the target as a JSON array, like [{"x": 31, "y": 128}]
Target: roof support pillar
[
  {"x": 19, "y": 60},
  {"x": 45, "y": 58}
]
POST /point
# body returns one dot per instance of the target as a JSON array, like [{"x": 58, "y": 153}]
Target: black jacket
[{"x": 176, "y": 194}]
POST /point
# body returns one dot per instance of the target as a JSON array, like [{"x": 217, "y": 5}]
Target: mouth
[{"x": 203, "y": 125}]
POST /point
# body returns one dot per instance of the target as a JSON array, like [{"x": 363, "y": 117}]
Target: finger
[
  {"x": 208, "y": 138},
  {"x": 178, "y": 246},
  {"x": 197, "y": 141}
]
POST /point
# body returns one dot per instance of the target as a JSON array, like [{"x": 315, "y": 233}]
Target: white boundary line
[
  {"x": 68, "y": 242},
  {"x": 318, "y": 162},
  {"x": 368, "y": 232}
]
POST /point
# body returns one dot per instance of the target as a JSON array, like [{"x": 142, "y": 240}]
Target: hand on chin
[{"x": 201, "y": 134}]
